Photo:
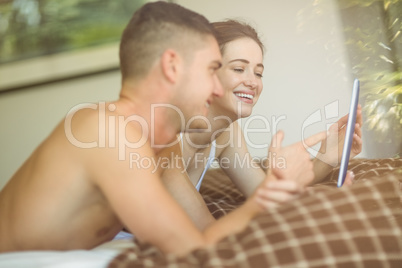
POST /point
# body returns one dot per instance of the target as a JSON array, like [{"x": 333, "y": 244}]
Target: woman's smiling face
[{"x": 241, "y": 78}]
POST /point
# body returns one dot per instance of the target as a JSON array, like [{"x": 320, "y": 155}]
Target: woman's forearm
[{"x": 321, "y": 170}]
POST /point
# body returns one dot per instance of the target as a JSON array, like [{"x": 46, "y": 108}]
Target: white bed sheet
[{"x": 98, "y": 257}]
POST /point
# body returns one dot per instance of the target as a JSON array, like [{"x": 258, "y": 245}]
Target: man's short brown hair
[{"x": 156, "y": 27}]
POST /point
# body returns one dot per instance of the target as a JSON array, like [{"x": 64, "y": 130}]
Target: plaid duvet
[{"x": 356, "y": 226}]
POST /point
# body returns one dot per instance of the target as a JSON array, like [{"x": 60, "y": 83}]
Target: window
[
  {"x": 31, "y": 28},
  {"x": 45, "y": 40},
  {"x": 373, "y": 34}
]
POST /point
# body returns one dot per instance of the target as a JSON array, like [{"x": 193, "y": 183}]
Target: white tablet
[{"x": 350, "y": 129}]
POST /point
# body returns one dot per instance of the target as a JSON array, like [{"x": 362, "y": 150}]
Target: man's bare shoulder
[
  {"x": 81, "y": 125},
  {"x": 104, "y": 136}
]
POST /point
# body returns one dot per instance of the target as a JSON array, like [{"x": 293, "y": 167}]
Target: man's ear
[{"x": 170, "y": 65}]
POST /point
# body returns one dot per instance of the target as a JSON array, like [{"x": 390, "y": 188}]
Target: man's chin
[
  {"x": 197, "y": 124},
  {"x": 194, "y": 130}
]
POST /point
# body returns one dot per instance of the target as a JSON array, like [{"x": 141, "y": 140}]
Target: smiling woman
[{"x": 223, "y": 140}]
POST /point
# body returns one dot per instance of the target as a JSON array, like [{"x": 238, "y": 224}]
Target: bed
[
  {"x": 98, "y": 257},
  {"x": 357, "y": 226}
]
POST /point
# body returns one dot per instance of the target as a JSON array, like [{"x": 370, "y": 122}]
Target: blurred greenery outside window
[
  {"x": 373, "y": 39},
  {"x": 31, "y": 28}
]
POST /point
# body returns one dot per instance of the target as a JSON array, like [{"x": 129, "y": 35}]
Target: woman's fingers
[
  {"x": 350, "y": 176},
  {"x": 358, "y": 130},
  {"x": 334, "y": 128},
  {"x": 357, "y": 145},
  {"x": 297, "y": 163},
  {"x": 277, "y": 140},
  {"x": 342, "y": 122},
  {"x": 359, "y": 115},
  {"x": 314, "y": 139}
]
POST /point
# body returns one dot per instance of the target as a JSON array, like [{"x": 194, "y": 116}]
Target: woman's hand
[
  {"x": 331, "y": 148},
  {"x": 293, "y": 161}
]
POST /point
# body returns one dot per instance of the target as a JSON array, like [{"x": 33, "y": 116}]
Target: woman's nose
[{"x": 251, "y": 83}]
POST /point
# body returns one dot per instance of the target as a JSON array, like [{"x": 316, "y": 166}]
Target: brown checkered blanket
[{"x": 356, "y": 226}]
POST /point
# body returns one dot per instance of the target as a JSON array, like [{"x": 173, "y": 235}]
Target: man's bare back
[{"x": 52, "y": 199}]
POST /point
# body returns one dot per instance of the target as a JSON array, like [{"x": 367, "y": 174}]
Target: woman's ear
[{"x": 170, "y": 65}]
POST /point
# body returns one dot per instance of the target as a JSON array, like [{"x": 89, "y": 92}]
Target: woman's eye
[
  {"x": 259, "y": 75},
  {"x": 239, "y": 70}
]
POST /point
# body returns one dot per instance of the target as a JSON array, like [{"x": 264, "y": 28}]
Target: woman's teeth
[{"x": 243, "y": 95}]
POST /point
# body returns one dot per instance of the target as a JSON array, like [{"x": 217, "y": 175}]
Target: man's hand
[
  {"x": 273, "y": 192},
  {"x": 293, "y": 161}
]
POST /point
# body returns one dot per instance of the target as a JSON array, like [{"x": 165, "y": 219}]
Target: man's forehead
[
  {"x": 211, "y": 50},
  {"x": 215, "y": 47}
]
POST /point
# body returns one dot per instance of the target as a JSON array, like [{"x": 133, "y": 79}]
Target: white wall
[
  {"x": 27, "y": 116},
  {"x": 306, "y": 69}
]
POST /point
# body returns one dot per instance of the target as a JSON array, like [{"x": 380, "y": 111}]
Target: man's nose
[{"x": 218, "y": 88}]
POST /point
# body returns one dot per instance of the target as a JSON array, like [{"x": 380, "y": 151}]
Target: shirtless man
[{"x": 80, "y": 187}]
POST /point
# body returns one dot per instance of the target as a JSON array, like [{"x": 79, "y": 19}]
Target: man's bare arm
[
  {"x": 139, "y": 199},
  {"x": 144, "y": 206},
  {"x": 177, "y": 182}
]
